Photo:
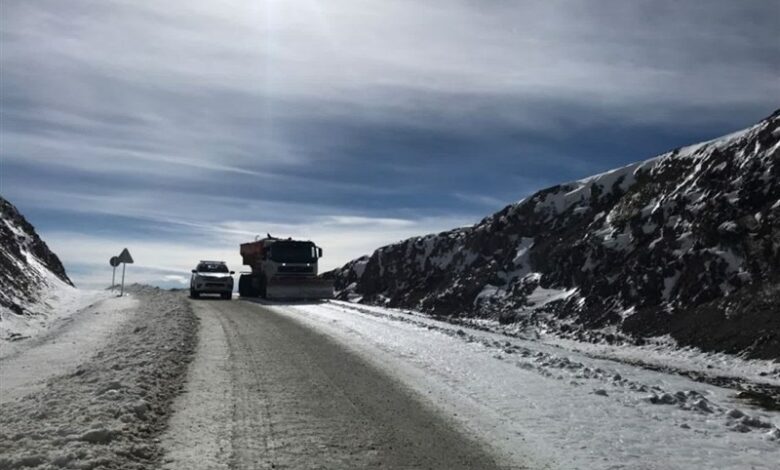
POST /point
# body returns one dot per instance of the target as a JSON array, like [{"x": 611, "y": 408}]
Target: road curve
[{"x": 297, "y": 399}]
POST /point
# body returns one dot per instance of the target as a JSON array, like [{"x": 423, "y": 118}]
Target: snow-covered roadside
[
  {"x": 73, "y": 339},
  {"x": 657, "y": 353},
  {"x": 57, "y": 302},
  {"x": 108, "y": 412},
  {"x": 571, "y": 409},
  {"x": 664, "y": 353}
]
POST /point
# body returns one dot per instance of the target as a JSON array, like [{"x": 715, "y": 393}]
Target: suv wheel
[
  {"x": 227, "y": 295},
  {"x": 194, "y": 294}
]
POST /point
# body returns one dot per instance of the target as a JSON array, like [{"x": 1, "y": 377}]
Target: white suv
[{"x": 211, "y": 277}]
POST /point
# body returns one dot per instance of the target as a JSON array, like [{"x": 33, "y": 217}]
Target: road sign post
[
  {"x": 114, "y": 262},
  {"x": 124, "y": 258}
]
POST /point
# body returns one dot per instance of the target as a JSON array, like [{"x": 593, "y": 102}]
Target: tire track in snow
[{"x": 301, "y": 400}]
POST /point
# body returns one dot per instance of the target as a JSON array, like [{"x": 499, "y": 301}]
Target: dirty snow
[
  {"x": 27, "y": 364},
  {"x": 203, "y": 415},
  {"x": 664, "y": 352},
  {"x": 104, "y": 409}
]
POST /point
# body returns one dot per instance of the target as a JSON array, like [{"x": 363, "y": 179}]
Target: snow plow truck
[{"x": 282, "y": 269}]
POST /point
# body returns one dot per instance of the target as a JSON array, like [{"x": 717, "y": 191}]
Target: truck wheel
[
  {"x": 245, "y": 288},
  {"x": 263, "y": 288}
]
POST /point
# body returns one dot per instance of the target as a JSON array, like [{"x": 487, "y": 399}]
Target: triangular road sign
[{"x": 125, "y": 257}]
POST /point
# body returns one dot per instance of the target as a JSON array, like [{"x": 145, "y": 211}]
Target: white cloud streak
[
  {"x": 162, "y": 98},
  {"x": 224, "y": 83}
]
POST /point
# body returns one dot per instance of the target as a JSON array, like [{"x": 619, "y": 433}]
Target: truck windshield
[
  {"x": 212, "y": 268},
  {"x": 293, "y": 252}
]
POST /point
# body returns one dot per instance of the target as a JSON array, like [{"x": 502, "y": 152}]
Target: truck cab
[
  {"x": 291, "y": 258},
  {"x": 283, "y": 268}
]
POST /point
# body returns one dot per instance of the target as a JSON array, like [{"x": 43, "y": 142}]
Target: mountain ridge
[
  {"x": 27, "y": 266},
  {"x": 685, "y": 244}
]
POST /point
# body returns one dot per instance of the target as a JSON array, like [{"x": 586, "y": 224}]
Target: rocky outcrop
[
  {"x": 27, "y": 266},
  {"x": 686, "y": 244}
]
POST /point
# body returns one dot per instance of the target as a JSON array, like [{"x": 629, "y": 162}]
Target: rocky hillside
[
  {"x": 686, "y": 244},
  {"x": 28, "y": 269}
]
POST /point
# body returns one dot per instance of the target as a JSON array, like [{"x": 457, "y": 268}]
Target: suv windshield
[
  {"x": 293, "y": 252},
  {"x": 212, "y": 268}
]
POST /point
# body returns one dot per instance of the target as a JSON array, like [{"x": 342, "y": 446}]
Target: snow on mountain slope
[
  {"x": 685, "y": 245},
  {"x": 32, "y": 278}
]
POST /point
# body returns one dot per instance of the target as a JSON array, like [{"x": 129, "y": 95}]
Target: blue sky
[{"x": 182, "y": 128}]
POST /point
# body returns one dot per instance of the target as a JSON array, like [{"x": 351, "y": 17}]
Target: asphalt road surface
[{"x": 265, "y": 391}]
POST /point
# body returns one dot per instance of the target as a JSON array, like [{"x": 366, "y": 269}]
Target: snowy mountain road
[
  {"x": 301, "y": 400},
  {"x": 342, "y": 385},
  {"x": 156, "y": 380}
]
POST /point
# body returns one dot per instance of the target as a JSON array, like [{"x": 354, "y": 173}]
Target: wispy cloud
[{"x": 353, "y": 122}]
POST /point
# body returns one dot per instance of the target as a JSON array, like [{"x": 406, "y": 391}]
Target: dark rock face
[
  {"x": 24, "y": 260},
  {"x": 686, "y": 244}
]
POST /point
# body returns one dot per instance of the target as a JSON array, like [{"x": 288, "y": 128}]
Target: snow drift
[{"x": 685, "y": 245}]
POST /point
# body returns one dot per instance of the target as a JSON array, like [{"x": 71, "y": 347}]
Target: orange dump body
[{"x": 252, "y": 252}]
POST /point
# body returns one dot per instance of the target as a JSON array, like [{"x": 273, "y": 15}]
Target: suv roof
[{"x": 210, "y": 262}]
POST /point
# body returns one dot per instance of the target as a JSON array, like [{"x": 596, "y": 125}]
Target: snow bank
[
  {"x": 27, "y": 365},
  {"x": 106, "y": 411},
  {"x": 57, "y": 305}
]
